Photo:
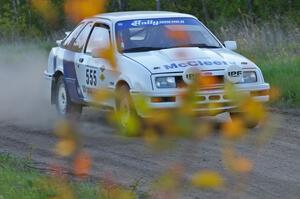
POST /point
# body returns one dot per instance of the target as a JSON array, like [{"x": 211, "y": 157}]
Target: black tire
[
  {"x": 249, "y": 124},
  {"x": 125, "y": 107},
  {"x": 64, "y": 106}
]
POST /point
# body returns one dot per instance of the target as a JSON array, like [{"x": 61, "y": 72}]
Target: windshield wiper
[
  {"x": 197, "y": 45},
  {"x": 140, "y": 49}
]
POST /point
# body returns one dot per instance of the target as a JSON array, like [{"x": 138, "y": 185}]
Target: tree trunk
[
  {"x": 158, "y": 5},
  {"x": 15, "y": 10},
  {"x": 204, "y": 10},
  {"x": 122, "y": 5},
  {"x": 250, "y": 7}
]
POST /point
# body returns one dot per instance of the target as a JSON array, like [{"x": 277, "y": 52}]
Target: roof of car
[{"x": 131, "y": 15}]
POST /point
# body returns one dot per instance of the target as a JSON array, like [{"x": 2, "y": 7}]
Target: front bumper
[{"x": 210, "y": 101}]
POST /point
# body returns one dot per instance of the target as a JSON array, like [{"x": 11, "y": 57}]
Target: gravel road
[{"x": 26, "y": 129}]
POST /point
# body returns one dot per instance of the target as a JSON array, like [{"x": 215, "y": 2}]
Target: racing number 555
[{"x": 91, "y": 77}]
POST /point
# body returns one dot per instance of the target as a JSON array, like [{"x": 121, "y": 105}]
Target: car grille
[{"x": 209, "y": 82}]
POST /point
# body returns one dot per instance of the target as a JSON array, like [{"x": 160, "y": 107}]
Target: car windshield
[{"x": 163, "y": 33}]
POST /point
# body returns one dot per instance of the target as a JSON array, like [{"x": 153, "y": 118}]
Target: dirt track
[{"x": 26, "y": 124}]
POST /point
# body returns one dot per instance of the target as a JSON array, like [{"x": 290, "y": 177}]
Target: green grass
[
  {"x": 17, "y": 181},
  {"x": 285, "y": 75},
  {"x": 282, "y": 72}
]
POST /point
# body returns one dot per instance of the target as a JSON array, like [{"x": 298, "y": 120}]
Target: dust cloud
[{"x": 23, "y": 98}]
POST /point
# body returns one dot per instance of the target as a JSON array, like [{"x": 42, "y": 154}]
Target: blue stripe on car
[{"x": 70, "y": 77}]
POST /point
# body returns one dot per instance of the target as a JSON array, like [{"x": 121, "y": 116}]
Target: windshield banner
[{"x": 155, "y": 22}]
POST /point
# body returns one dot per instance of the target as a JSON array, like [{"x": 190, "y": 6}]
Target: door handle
[{"x": 81, "y": 60}]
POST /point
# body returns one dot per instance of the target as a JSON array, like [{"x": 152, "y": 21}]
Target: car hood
[{"x": 179, "y": 59}]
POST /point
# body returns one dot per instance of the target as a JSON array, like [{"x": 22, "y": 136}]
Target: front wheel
[
  {"x": 249, "y": 124},
  {"x": 64, "y": 106},
  {"x": 127, "y": 115}
]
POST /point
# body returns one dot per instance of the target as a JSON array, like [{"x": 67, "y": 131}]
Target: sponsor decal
[
  {"x": 234, "y": 74},
  {"x": 155, "y": 22},
  {"x": 190, "y": 75},
  {"x": 197, "y": 63}
]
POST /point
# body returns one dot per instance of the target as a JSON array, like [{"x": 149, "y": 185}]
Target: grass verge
[
  {"x": 282, "y": 72},
  {"x": 17, "y": 181},
  {"x": 284, "y": 75}
]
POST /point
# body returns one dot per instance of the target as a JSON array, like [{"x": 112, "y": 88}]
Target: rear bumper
[{"x": 210, "y": 101}]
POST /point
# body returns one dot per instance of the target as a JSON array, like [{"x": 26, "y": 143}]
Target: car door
[
  {"x": 66, "y": 57},
  {"x": 81, "y": 59},
  {"x": 96, "y": 67}
]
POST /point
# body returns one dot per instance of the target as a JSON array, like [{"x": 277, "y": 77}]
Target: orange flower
[
  {"x": 242, "y": 165},
  {"x": 82, "y": 164}
]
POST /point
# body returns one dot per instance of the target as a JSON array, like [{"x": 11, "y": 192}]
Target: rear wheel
[
  {"x": 64, "y": 106},
  {"x": 249, "y": 124}
]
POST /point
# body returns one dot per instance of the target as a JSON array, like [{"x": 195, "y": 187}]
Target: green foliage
[{"x": 18, "y": 18}]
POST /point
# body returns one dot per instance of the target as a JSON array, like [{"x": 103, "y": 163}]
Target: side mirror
[
  {"x": 58, "y": 42},
  {"x": 67, "y": 33},
  {"x": 96, "y": 53},
  {"x": 231, "y": 45}
]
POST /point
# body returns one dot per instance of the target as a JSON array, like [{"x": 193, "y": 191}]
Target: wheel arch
[
  {"x": 120, "y": 83},
  {"x": 55, "y": 78}
]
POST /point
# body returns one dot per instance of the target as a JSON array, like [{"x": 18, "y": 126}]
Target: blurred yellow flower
[
  {"x": 109, "y": 55},
  {"x": 65, "y": 147},
  {"x": 207, "y": 179},
  {"x": 233, "y": 129},
  {"x": 101, "y": 95},
  {"x": 274, "y": 94},
  {"x": 253, "y": 111}
]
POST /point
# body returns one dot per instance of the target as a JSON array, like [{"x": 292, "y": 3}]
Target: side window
[
  {"x": 81, "y": 39},
  {"x": 99, "y": 39},
  {"x": 68, "y": 41}
]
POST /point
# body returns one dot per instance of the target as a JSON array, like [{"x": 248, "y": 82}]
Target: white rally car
[{"x": 149, "y": 63}]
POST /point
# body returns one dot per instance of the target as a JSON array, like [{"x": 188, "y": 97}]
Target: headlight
[
  {"x": 165, "y": 82},
  {"x": 249, "y": 77}
]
